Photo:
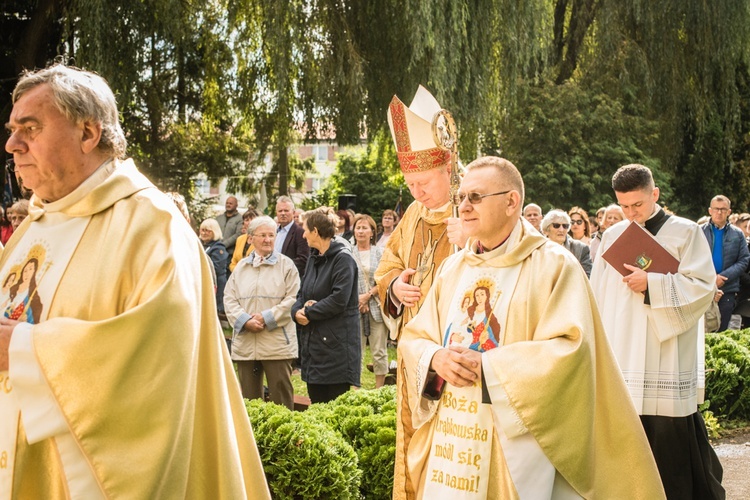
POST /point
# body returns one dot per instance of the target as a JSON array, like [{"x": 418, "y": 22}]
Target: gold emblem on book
[{"x": 643, "y": 261}]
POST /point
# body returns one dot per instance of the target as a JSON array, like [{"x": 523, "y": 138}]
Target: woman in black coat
[
  {"x": 327, "y": 311},
  {"x": 210, "y": 236}
]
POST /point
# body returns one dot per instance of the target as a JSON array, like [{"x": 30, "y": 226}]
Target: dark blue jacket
[
  {"x": 736, "y": 255},
  {"x": 218, "y": 254},
  {"x": 329, "y": 346}
]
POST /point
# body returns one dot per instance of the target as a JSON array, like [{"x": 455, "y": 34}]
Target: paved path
[{"x": 734, "y": 453}]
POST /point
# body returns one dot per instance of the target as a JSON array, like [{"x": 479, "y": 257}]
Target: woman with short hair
[
  {"x": 555, "y": 226},
  {"x": 343, "y": 225},
  {"x": 388, "y": 221},
  {"x": 258, "y": 301},
  {"x": 612, "y": 215},
  {"x": 18, "y": 212},
  {"x": 210, "y": 236},
  {"x": 327, "y": 311}
]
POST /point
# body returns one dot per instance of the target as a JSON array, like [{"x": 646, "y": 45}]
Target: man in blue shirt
[{"x": 730, "y": 254}]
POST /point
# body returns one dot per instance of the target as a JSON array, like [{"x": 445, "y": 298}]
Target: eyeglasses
[
  {"x": 576, "y": 222},
  {"x": 476, "y": 198},
  {"x": 558, "y": 225},
  {"x": 719, "y": 209}
]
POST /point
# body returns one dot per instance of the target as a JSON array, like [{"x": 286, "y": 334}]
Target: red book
[{"x": 637, "y": 247}]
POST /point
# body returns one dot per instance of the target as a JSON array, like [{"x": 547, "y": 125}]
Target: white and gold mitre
[{"x": 411, "y": 129}]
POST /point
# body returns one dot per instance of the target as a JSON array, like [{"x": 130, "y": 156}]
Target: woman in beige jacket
[{"x": 258, "y": 300}]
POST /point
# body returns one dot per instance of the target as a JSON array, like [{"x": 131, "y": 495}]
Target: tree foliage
[
  {"x": 225, "y": 87},
  {"x": 567, "y": 140}
]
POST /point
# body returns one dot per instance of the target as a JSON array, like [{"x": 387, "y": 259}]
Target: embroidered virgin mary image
[
  {"x": 457, "y": 333},
  {"x": 20, "y": 284},
  {"x": 474, "y": 325}
]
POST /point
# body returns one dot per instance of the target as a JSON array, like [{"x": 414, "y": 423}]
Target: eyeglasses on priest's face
[
  {"x": 558, "y": 225},
  {"x": 576, "y": 221},
  {"x": 476, "y": 198}
]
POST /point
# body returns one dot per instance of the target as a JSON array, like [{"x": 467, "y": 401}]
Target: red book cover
[{"x": 636, "y": 246}]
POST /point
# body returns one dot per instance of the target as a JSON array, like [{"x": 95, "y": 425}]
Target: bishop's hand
[{"x": 406, "y": 293}]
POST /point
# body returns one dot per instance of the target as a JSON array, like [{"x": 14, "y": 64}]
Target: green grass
[{"x": 367, "y": 378}]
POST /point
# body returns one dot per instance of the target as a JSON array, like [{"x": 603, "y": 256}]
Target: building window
[
  {"x": 202, "y": 185},
  {"x": 321, "y": 152}
]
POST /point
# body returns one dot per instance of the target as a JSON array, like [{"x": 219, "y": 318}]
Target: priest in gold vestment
[
  {"x": 123, "y": 387},
  {"x": 418, "y": 244},
  {"x": 513, "y": 388}
]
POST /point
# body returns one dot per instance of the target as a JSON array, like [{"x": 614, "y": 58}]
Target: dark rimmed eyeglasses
[
  {"x": 558, "y": 225},
  {"x": 577, "y": 222},
  {"x": 476, "y": 198}
]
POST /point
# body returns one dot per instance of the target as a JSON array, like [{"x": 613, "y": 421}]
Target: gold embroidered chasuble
[
  {"x": 419, "y": 242},
  {"x": 554, "y": 369},
  {"x": 135, "y": 358}
]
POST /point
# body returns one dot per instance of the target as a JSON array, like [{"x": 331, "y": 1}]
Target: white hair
[
  {"x": 212, "y": 226},
  {"x": 261, "y": 221},
  {"x": 555, "y": 215}
]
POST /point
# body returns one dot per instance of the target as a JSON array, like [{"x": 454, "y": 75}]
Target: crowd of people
[
  {"x": 313, "y": 253},
  {"x": 528, "y": 365},
  {"x": 386, "y": 273}
]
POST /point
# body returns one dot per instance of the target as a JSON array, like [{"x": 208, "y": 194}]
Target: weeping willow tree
[
  {"x": 689, "y": 60},
  {"x": 170, "y": 65},
  {"x": 312, "y": 69}
]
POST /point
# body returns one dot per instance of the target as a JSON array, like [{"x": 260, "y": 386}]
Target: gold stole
[{"x": 29, "y": 278}]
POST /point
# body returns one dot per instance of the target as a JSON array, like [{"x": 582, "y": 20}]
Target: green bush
[
  {"x": 342, "y": 449},
  {"x": 302, "y": 457},
  {"x": 367, "y": 421},
  {"x": 728, "y": 373}
]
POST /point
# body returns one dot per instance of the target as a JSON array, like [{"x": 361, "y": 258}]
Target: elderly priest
[{"x": 115, "y": 380}]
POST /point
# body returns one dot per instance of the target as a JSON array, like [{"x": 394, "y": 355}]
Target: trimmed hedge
[
  {"x": 342, "y": 449},
  {"x": 367, "y": 421},
  {"x": 302, "y": 457}
]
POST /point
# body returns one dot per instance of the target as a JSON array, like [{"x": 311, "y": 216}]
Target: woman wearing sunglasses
[
  {"x": 555, "y": 226},
  {"x": 580, "y": 229}
]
